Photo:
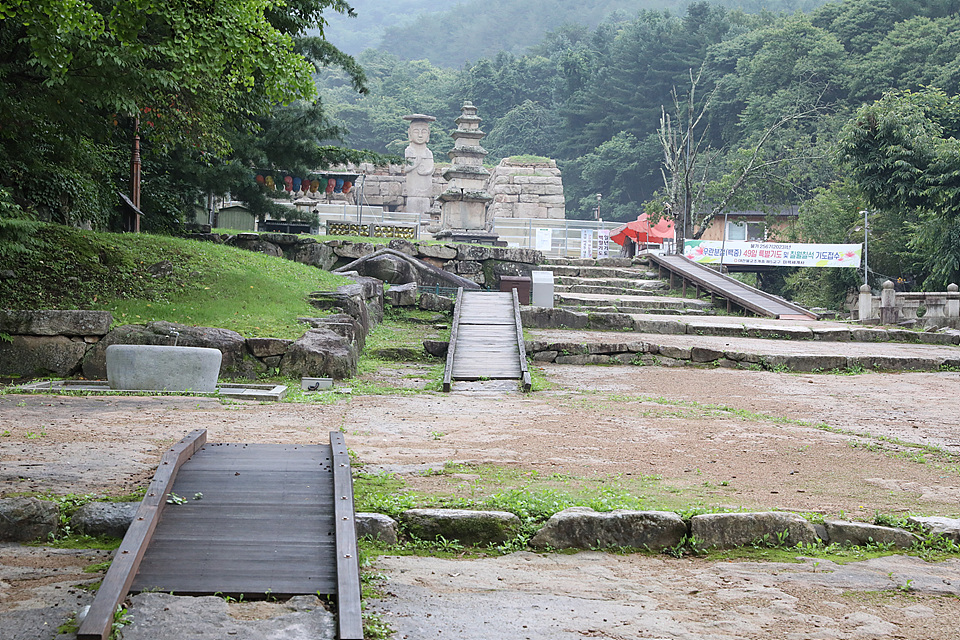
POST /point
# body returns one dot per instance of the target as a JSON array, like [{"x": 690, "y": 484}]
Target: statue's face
[{"x": 419, "y": 133}]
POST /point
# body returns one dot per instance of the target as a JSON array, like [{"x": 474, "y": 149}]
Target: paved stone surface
[
  {"x": 756, "y": 345},
  {"x": 594, "y": 595}
]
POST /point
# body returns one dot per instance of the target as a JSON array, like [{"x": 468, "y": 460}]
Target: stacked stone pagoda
[{"x": 463, "y": 216}]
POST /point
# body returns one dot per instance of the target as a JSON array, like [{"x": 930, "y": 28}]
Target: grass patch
[{"x": 203, "y": 283}]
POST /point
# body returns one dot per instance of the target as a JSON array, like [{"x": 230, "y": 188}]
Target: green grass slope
[{"x": 204, "y": 284}]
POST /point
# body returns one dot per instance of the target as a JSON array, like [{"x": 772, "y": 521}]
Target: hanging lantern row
[{"x": 293, "y": 184}]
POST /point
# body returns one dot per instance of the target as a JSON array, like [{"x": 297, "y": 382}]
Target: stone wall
[
  {"x": 68, "y": 343},
  {"x": 526, "y": 190},
  {"x": 519, "y": 189},
  {"x": 477, "y": 263}
]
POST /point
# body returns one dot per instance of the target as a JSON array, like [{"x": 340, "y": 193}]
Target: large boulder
[
  {"x": 315, "y": 254},
  {"x": 253, "y": 242},
  {"x": 584, "y": 528},
  {"x": 343, "y": 325},
  {"x": 390, "y": 269},
  {"x": 467, "y": 527},
  {"x": 433, "y": 302},
  {"x": 320, "y": 353},
  {"x": 26, "y": 519},
  {"x": 236, "y": 363},
  {"x": 104, "y": 518},
  {"x": 58, "y": 356},
  {"x": 731, "y": 530},
  {"x": 52, "y": 322}
]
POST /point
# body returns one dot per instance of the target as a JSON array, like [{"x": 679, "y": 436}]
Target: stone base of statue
[{"x": 470, "y": 236}]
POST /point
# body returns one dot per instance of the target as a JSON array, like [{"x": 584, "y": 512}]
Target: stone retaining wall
[
  {"x": 25, "y": 519},
  {"x": 477, "y": 263},
  {"x": 68, "y": 343},
  {"x": 649, "y": 353},
  {"x": 559, "y": 318}
]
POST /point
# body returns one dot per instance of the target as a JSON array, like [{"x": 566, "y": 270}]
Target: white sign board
[
  {"x": 773, "y": 254},
  {"x": 603, "y": 243},
  {"x": 586, "y": 243},
  {"x": 544, "y": 239}
]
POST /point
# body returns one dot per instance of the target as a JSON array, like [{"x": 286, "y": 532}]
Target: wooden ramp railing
[
  {"x": 268, "y": 519},
  {"x": 486, "y": 340}
]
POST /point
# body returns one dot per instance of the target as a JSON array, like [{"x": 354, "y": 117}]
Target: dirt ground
[{"x": 685, "y": 437}]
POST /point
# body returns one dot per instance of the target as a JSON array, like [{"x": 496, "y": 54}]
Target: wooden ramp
[
  {"x": 486, "y": 340},
  {"x": 733, "y": 291},
  {"x": 251, "y": 519}
]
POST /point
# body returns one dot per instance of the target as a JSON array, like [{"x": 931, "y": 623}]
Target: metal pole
[
  {"x": 723, "y": 246},
  {"x": 135, "y": 175},
  {"x": 865, "y": 268}
]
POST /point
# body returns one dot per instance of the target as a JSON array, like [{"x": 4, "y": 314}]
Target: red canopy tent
[{"x": 641, "y": 232}]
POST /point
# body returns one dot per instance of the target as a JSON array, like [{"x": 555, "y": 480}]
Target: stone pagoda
[{"x": 463, "y": 216}]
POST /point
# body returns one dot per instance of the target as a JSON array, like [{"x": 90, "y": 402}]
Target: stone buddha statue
[{"x": 419, "y": 165}]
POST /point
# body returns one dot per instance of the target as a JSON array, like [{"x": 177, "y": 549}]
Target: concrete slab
[{"x": 267, "y": 392}]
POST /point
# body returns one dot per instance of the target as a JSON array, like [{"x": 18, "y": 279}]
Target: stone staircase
[{"x": 614, "y": 285}]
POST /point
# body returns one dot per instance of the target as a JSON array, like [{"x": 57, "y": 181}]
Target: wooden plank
[
  {"x": 99, "y": 619},
  {"x": 452, "y": 346},
  {"x": 349, "y": 622},
  {"x": 525, "y": 374}
]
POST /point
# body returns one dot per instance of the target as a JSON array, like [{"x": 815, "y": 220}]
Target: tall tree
[{"x": 903, "y": 151}]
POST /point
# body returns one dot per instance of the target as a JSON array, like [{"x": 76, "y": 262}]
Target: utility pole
[
  {"x": 135, "y": 175},
  {"x": 866, "y": 272}
]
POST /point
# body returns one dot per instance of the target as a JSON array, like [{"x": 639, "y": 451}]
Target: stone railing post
[
  {"x": 865, "y": 303},
  {"x": 888, "y": 304},
  {"x": 953, "y": 302}
]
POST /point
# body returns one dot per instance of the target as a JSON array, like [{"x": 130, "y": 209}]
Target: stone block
[
  {"x": 58, "y": 356},
  {"x": 544, "y": 356},
  {"x": 104, "y": 518},
  {"x": 376, "y": 526},
  {"x": 402, "y": 295},
  {"x": 584, "y": 528},
  {"x": 268, "y": 347},
  {"x": 27, "y": 519},
  {"x": 433, "y": 302},
  {"x": 54, "y": 322},
  {"x": 869, "y": 335},
  {"x": 731, "y": 530},
  {"x": 948, "y": 528},
  {"x": 804, "y": 362},
  {"x": 583, "y": 359},
  {"x": 436, "y": 348},
  {"x": 862, "y": 534},
  {"x": 439, "y": 251},
  {"x": 555, "y": 318},
  {"x": 467, "y": 527},
  {"x": 320, "y": 353},
  {"x": 656, "y": 325},
  {"x": 780, "y": 333},
  {"x": 896, "y": 363},
  {"x": 143, "y": 367},
  {"x": 829, "y": 334},
  {"x": 611, "y": 322},
  {"x": 677, "y": 353},
  {"x": 704, "y": 354}
]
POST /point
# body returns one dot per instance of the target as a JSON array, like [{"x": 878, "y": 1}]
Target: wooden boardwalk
[
  {"x": 486, "y": 341},
  {"x": 732, "y": 290},
  {"x": 251, "y": 519}
]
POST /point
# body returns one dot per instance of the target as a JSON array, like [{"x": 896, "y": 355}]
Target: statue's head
[{"x": 419, "y": 131}]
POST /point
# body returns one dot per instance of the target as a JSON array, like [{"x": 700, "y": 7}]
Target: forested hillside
[
  {"x": 449, "y": 33},
  {"x": 774, "y": 90}
]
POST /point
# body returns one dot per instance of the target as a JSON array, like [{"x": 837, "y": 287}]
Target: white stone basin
[{"x": 145, "y": 367}]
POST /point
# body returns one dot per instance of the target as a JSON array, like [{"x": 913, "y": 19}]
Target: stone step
[
  {"x": 628, "y": 302},
  {"x": 590, "y": 262},
  {"x": 609, "y": 286},
  {"x": 639, "y": 273},
  {"x": 643, "y": 311}
]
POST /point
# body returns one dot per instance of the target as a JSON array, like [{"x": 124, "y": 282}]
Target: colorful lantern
[
  {"x": 296, "y": 184},
  {"x": 268, "y": 181},
  {"x": 331, "y": 183},
  {"x": 288, "y": 183},
  {"x": 347, "y": 185},
  {"x": 339, "y": 187},
  {"x": 260, "y": 180},
  {"x": 314, "y": 185}
]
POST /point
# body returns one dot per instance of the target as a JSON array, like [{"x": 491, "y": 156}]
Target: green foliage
[{"x": 904, "y": 155}]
